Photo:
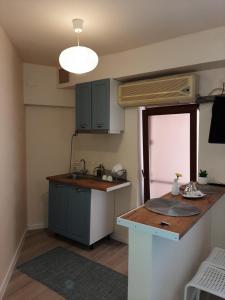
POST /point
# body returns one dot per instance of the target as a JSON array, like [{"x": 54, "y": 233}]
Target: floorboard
[{"x": 110, "y": 253}]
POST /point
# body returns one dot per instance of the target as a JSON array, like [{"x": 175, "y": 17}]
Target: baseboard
[
  {"x": 12, "y": 265},
  {"x": 120, "y": 237},
  {"x": 36, "y": 226}
]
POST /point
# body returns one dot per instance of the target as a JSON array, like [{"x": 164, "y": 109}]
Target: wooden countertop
[
  {"x": 145, "y": 220},
  {"x": 105, "y": 186}
]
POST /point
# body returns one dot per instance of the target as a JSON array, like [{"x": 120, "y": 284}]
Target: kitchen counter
[
  {"x": 82, "y": 209},
  {"x": 144, "y": 219},
  {"x": 90, "y": 183},
  {"x": 162, "y": 259}
]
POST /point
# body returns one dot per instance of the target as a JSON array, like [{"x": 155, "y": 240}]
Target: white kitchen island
[{"x": 162, "y": 259}]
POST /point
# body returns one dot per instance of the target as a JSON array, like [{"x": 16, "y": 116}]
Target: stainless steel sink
[
  {"x": 78, "y": 176},
  {"x": 82, "y": 176}
]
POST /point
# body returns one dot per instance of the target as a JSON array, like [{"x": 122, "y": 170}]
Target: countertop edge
[
  {"x": 89, "y": 183},
  {"x": 162, "y": 232}
]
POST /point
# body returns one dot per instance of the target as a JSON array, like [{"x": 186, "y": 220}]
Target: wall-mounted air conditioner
[{"x": 164, "y": 90}]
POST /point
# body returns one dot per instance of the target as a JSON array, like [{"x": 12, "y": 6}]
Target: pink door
[
  {"x": 169, "y": 147},
  {"x": 169, "y": 151}
]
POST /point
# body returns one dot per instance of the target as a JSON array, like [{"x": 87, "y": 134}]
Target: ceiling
[{"x": 41, "y": 29}]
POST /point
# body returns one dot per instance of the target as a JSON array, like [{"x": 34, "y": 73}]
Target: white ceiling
[{"x": 41, "y": 29}]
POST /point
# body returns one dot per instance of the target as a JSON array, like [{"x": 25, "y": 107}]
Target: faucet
[{"x": 84, "y": 170}]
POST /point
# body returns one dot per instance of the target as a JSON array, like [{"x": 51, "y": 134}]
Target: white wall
[
  {"x": 211, "y": 156},
  {"x": 44, "y": 124},
  {"x": 49, "y": 114},
  {"x": 124, "y": 148},
  {"x": 197, "y": 50},
  {"x": 40, "y": 87},
  {"x": 48, "y": 133},
  {"x": 12, "y": 158}
]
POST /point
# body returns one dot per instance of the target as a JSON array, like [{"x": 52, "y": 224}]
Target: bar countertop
[{"x": 148, "y": 221}]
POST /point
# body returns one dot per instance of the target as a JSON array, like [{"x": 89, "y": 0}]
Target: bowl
[{"x": 117, "y": 169}]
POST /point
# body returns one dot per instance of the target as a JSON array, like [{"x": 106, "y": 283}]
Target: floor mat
[{"x": 76, "y": 277}]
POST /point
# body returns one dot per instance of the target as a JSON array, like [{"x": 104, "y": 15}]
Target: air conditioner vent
[{"x": 164, "y": 90}]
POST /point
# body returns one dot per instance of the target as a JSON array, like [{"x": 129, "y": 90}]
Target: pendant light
[{"x": 78, "y": 59}]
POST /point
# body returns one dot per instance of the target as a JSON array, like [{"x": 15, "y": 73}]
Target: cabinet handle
[
  {"x": 59, "y": 185},
  {"x": 99, "y": 125}
]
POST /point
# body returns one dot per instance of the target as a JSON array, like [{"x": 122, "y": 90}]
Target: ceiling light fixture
[{"x": 78, "y": 59}]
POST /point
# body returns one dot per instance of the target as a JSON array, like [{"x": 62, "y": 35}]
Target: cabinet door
[
  {"x": 58, "y": 206},
  {"x": 100, "y": 104},
  {"x": 79, "y": 207},
  {"x": 83, "y": 106}
]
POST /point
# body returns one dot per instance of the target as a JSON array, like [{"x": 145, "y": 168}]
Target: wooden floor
[{"x": 109, "y": 253}]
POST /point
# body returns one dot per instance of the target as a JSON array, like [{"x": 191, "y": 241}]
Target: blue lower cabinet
[
  {"x": 79, "y": 214},
  {"x": 69, "y": 211},
  {"x": 58, "y": 208}
]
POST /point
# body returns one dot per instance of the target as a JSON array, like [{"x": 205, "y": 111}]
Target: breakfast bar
[{"x": 162, "y": 258}]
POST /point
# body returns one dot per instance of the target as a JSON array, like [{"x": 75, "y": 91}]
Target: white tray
[{"x": 199, "y": 196}]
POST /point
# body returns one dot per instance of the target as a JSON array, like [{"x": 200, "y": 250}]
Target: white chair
[
  {"x": 217, "y": 258},
  {"x": 209, "y": 279}
]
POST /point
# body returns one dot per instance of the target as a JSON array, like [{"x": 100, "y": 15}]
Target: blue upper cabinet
[
  {"x": 97, "y": 109},
  {"x": 83, "y": 106},
  {"x": 100, "y": 104}
]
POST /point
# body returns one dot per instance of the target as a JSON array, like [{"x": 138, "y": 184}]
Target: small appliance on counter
[
  {"x": 191, "y": 191},
  {"x": 99, "y": 171},
  {"x": 118, "y": 172}
]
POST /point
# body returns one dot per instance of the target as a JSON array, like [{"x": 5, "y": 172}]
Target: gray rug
[{"x": 75, "y": 277}]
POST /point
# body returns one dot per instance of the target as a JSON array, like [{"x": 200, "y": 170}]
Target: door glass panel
[{"x": 169, "y": 151}]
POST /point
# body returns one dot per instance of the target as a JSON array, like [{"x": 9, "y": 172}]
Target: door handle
[{"x": 143, "y": 174}]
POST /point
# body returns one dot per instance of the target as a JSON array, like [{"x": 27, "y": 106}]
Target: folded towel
[{"x": 217, "y": 129}]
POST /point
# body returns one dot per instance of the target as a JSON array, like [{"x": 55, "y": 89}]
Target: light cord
[{"x": 78, "y": 39}]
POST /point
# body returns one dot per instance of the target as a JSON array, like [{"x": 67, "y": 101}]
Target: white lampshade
[{"x": 78, "y": 59}]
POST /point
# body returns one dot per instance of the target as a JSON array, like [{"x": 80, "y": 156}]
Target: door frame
[{"x": 168, "y": 110}]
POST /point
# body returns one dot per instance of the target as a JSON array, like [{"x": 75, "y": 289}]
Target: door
[
  {"x": 58, "y": 205},
  {"x": 100, "y": 104},
  {"x": 169, "y": 147},
  {"x": 169, "y": 151},
  {"x": 79, "y": 205},
  {"x": 83, "y": 106}
]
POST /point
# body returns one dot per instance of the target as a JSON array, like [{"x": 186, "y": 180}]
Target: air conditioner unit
[{"x": 160, "y": 91}]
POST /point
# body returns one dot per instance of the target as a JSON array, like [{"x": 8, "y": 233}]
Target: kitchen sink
[
  {"x": 82, "y": 176},
  {"x": 78, "y": 176}
]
